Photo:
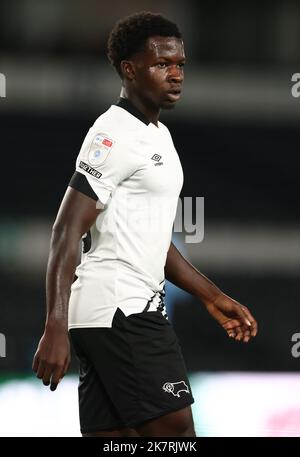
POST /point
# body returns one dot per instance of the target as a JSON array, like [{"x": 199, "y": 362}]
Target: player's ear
[{"x": 128, "y": 69}]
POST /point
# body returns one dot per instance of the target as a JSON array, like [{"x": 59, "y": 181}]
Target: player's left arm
[{"x": 235, "y": 318}]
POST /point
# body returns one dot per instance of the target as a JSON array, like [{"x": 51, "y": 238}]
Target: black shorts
[{"x": 129, "y": 373}]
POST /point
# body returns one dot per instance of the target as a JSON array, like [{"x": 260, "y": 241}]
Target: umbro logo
[{"x": 157, "y": 158}]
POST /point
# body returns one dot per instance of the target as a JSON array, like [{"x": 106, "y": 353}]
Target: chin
[{"x": 167, "y": 105}]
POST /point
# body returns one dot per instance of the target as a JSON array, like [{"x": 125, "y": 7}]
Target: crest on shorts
[
  {"x": 100, "y": 149},
  {"x": 175, "y": 388}
]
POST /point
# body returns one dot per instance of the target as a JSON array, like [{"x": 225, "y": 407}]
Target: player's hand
[
  {"x": 235, "y": 318},
  {"x": 52, "y": 358}
]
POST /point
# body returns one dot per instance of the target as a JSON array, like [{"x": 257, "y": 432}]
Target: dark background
[{"x": 237, "y": 131}]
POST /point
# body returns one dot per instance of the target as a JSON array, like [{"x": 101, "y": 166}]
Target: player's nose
[{"x": 175, "y": 75}]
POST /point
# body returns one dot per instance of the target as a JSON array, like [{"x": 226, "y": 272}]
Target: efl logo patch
[
  {"x": 99, "y": 150},
  {"x": 90, "y": 170}
]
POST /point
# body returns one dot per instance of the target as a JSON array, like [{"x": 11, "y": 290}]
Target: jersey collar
[{"x": 128, "y": 106}]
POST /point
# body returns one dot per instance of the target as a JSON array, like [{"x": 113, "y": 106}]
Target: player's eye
[{"x": 161, "y": 64}]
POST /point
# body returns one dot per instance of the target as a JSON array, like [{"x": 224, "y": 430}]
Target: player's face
[{"x": 159, "y": 71}]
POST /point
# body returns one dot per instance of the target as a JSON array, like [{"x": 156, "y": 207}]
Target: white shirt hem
[{"x": 89, "y": 325}]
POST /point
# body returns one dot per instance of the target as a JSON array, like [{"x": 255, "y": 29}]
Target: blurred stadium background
[{"x": 237, "y": 131}]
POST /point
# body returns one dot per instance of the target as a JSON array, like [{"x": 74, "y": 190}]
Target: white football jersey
[{"x": 131, "y": 169}]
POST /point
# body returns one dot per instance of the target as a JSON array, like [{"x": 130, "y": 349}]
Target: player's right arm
[{"x": 76, "y": 215}]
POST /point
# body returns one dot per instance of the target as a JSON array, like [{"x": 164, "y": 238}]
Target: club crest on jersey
[{"x": 99, "y": 150}]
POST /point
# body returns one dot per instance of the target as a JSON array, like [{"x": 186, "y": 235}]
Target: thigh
[
  {"x": 124, "y": 432},
  {"x": 96, "y": 410},
  {"x": 177, "y": 423}
]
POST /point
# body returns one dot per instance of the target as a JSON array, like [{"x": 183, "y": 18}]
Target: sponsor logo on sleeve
[{"x": 90, "y": 170}]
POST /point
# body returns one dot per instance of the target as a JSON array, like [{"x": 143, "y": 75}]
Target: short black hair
[{"x": 130, "y": 34}]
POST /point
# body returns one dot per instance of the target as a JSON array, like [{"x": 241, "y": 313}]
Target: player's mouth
[{"x": 174, "y": 94}]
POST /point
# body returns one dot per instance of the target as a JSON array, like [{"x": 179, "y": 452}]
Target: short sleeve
[{"x": 105, "y": 161}]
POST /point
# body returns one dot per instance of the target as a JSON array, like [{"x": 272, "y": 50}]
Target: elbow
[
  {"x": 58, "y": 229},
  {"x": 65, "y": 231},
  {"x": 59, "y": 235}
]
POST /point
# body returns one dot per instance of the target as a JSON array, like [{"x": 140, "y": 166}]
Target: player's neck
[{"x": 151, "y": 114}]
